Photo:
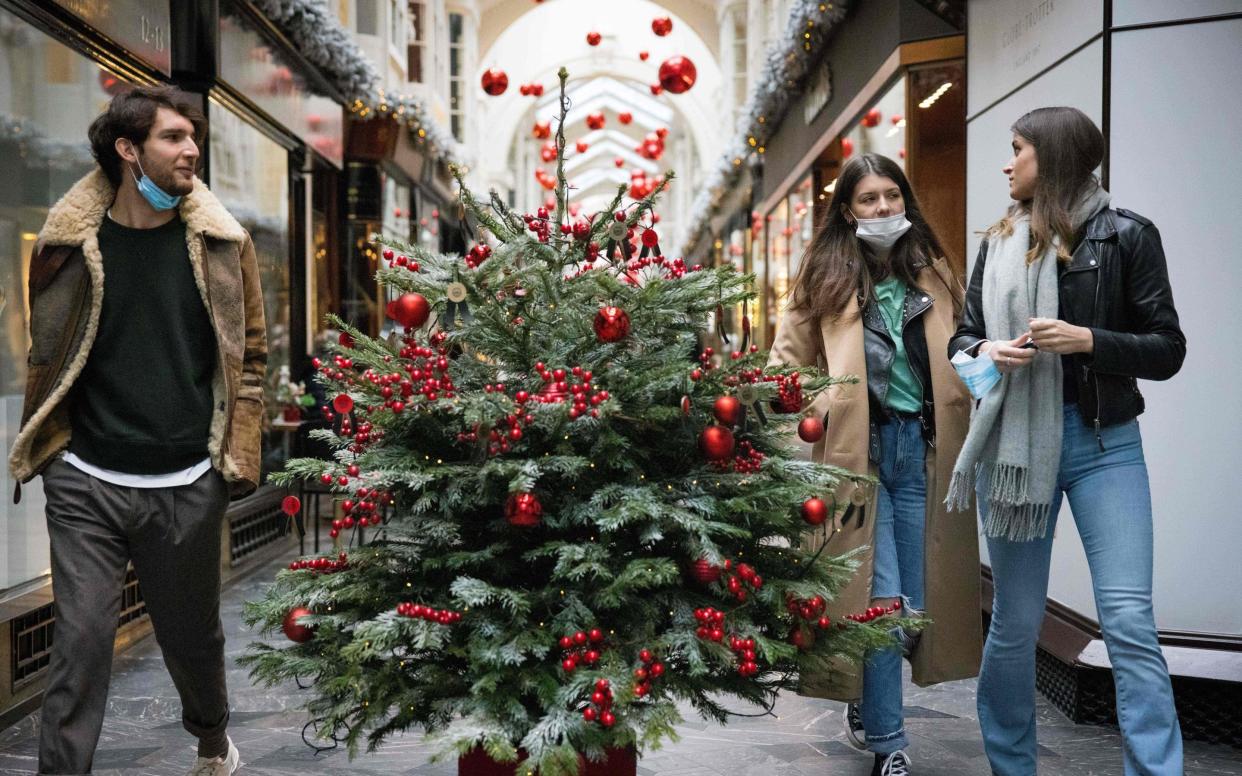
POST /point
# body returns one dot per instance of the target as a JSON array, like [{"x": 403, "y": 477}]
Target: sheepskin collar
[{"x": 78, "y": 214}]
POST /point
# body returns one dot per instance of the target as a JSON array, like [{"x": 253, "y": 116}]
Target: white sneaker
[
  {"x": 854, "y": 734},
  {"x": 896, "y": 764},
  {"x": 217, "y": 766}
]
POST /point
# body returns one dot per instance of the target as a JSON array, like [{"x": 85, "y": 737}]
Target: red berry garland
[
  {"x": 320, "y": 565},
  {"x": 600, "y": 709}
]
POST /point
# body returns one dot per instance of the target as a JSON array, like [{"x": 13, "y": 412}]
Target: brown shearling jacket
[{"x": 66, "y": 299}]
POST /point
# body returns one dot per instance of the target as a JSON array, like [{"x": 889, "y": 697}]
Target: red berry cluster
[
  {"x": 650, "y": 669},
  {"x": 363, "y": 512},
  {"x": 342, "y": 480},
  {"x": 399, "y": 260},
  {"x": 321, "y": 565},
  {"x": 539, "y": 224},
  {"x": 809, "y": 609},
  {"x": 789, "y": 398},
  {"x": 420, "y": 612},
  {"x": 746, "y": 460},
  {"x": 671, "y": 269},
  {"x": 531, "y": 90},
  {"x": 744, "y": 648},
  {"x": 582, "y": 647},
  {"x": 711, "y": 624},
  {"x": 478, "y": 254},
  {"x": 577, "y": 381},
  {"x": 873, "y": 612},
  {"x": 705, "y": 359},
  {"x": 498, "y": 440},
  {"x": 601, "y": 705},
  {"x": 737, "y": 582},
  {"x": 746, "y": 375}
]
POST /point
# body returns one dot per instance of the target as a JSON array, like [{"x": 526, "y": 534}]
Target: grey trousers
[{"x": 172, "y": 535}]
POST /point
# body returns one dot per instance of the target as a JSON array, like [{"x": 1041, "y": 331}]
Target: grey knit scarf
[{"x": 1013, "y": 447}]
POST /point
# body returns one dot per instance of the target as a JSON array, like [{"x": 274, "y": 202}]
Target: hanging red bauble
[
  {"x": 802, "y": 638},
  {"x": 872, "y": 118},
  {"x": 901, "y": 153},
  {"x": 728, "y": 410},
  {"x": 542, "y": 130},
  {"x": 290, "y": 505},
  {"x": 811, "y": 429},
  {"x": 704, "y": 571},
  {"x": 650, "y": 238},
  {"x": 593, "y": 38},
  {"x": 410, "y": 310},
  {"x": 547, "y": 154},
  {"x": 814, "y": 511},
  {"x": 685, "y": 406},
  {"x": 716, "y": 442},
  {"x": 346, "y": 340},
  {"x": 678, "y": 74},
  {"x": 343, "y": 404},
  {"x": 595, "y": 120},
  {"x": 582, "y": 146},
  {"x": 523, "y": 510},
  {"x": 612, "y": 324},
  {"x": 662, "y": 25},
  {"x": 847, "y": 148},
  {"x": 643, "y": 55},
  {"x": 494, "y": 81},
  {"x": 619, "y": 162},
  {"x": 657, "y": 90},
  {"x": 625, "y": 118},
  {"x": 293, "y": 630}
]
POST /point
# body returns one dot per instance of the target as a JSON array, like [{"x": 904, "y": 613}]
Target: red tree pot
[{"x": 620, "y": 762}]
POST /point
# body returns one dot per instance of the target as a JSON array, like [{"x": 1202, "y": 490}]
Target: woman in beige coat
[{"x": 876, "y": 299}]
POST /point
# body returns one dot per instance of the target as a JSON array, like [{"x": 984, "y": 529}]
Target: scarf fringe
[
  {"x": 961, "y": 486},
  {"x": 1017, "y": 522},
  {"x": 1009, "y": 515}
]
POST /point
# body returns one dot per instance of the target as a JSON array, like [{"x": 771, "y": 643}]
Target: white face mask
[{"x": 881, "y": 232}]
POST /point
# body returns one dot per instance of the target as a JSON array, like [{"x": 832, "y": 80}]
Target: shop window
[
  {"x": 414, "y": 41},
  {"x": 739, "y": 61},
  {"x": 368, "y": 13},
  {"x": 396, "y": 25},
  {"x": 259, "y": 199},
  {"x": 48, "y": 96},
  {"x": 457, "y": 82}
]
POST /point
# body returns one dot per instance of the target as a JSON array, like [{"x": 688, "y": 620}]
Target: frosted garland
[
  {"x": 318, "y": 35},
  {"x": 786, "y": 62},
  {"x": 31, "y": 142}
]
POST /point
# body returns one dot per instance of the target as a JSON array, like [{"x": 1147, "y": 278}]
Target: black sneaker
[
  {"x": 854, "y": 734},
  {"x": 895, "y": 764}
]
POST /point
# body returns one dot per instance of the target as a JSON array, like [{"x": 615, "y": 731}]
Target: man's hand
[{"x": 1054, "y": 336}]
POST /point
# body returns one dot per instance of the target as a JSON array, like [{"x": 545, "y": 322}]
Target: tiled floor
[{"x": 143, "y": 736}]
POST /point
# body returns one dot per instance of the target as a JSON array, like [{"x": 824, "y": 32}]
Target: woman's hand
[
  {"x": 1053, "y": 336},
  {"x": 1007, "y": 354}
]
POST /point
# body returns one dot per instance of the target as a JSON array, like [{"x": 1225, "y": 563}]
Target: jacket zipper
[
  {"x": 929, "y": 431},
  {"x": 1095, "y": 306}
]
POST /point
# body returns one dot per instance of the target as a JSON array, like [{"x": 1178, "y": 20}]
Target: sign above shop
[
  {"x": 818, "y": 92},
  {"x": 1013, "y": 40},
  {"x": 143, "y": 27}
]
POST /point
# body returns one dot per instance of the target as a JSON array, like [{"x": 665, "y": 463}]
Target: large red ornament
[
  {"x": 872, "y": 118},
  {"x": 494, "y": 81},
  {"x": 612, "y": 324},
  {"x": 410, "y": 310},
  {"x": 811, "y": 429},
  {"x": 290, "y": 505},
  {"x": 343, "y": 404},
  {"x": 678, "y": 74},
  {"x": 716, "y": 442},
  {"x": 814, "y": 511},
  {"x": 593, "y": 38},
  {"x": 523, "y": 510},
  {"x": 662, "y": 25},
  {"x": 293, "y": 630},
  {"x": 704, "y": 571},
  {"x": 728, "y": 410}
]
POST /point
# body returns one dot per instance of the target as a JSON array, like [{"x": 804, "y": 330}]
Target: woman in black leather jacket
[{"x": 1071, "y": 300}]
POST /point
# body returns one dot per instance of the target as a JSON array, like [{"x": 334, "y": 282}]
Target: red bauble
[
  {"x": 662, "y": 25},
  {"x": 612, "y": 324},
  {"x": 802, "y": 639},
  {"x": 494, "y": 81},
  {"x": 704, "y": 571},
  {"x": 847, "y": 148},
  {"x": 595, "y": 120},
  {"x": 625, "y": 118},
  {"x": 410, "y": 310},
  {"x": 716, "y": 442},
  {"x": 643, "y": 55},
  {"x": 872, "y": 118},
  {"x": 657, "y": 90},
  {"x": 295, "y": 631},
  {"x": 582, "y": 146},
  {"x": 728, "y": 410},
  {"x": 523, "y": 510},
  {"x": 593, "y": 38},
  {"x": 290, "y": 505},
  {"x": 678, "y": 74},
  {"x": 542, "y": 130},
  {"x": 343, "y": 404},
  {"x": 811, "y": 429},
  {"x": 814, "y": 511}
]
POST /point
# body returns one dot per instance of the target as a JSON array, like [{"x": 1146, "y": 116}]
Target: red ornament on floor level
[
  {"x": 716, "y": 442},
  {"x": 612, "y": 324},
  {"x": 811, "y": 430},
  {"x": 295, "y": 631},
  {"x": 494, "y": 81},
  {"x": 678, "y": 74},
  {"x": 410, "y": 310},
  {"x": 814, "y": 511},
  {"x": 662, "y": 25},
  {"x": 523, "y": 510},
  {"x": 728, "y": 410}
]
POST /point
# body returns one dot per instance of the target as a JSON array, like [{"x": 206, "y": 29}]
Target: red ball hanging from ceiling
[
  {"x": 678, "y": 74},
  {"x": 593, "y": 38},
  {"x": 662, "y": 25},
  {"x": 494, "y": 81}
]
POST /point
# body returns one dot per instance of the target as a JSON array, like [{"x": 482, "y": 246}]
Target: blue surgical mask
[{"x": 154, "y": 195}]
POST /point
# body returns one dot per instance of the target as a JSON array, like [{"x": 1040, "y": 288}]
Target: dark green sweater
[{"x": 143, "y": 403}]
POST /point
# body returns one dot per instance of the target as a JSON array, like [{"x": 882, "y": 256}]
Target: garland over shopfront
[
  {"x": 786, "y": 63},
  {"x": 319, "y": 36}
]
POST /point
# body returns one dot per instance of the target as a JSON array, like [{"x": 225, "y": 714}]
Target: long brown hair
[
  {"x": 1068, "y": 147},
  {"x": 837, "y": 266}
]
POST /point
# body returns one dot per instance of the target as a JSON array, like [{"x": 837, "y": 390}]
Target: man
[{"x": 142, "y": 414}]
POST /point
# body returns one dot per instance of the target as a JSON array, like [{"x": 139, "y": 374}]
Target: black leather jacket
[
  {"x": 880, "y": 351},
  {"x": 1117, "y": 284}
]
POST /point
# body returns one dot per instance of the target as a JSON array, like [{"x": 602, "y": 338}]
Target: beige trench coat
[{"x": 951, "y": 646}]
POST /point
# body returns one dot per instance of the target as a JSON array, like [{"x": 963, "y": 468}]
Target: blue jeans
[
  {"x": 1111, "y": 503},
  {"x": 900, "y": 516}
]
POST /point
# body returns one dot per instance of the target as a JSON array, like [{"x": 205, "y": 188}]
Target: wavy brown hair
[
  {"x": 837, "y": 266},
  {"x": 1068, "y": 147}
]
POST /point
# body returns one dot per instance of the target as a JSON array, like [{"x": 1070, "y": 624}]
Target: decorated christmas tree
[{"x": 578, "y": 520}]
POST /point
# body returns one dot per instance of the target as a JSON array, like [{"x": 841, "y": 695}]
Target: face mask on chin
[
  {"x": 155, "y": 196},
  {"x": 881, "y": 233}
]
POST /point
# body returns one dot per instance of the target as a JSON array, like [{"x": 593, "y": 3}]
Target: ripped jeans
[{"x": 900, "y": 517}]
